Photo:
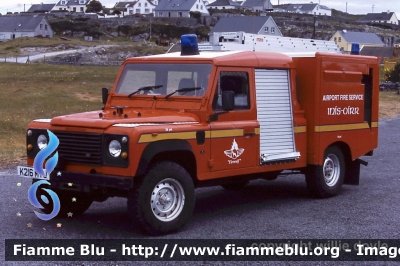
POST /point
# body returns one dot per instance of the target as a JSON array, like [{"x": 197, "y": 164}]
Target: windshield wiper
[
  {"x": 184, "y": 90},
  {"x": 145, "y": 88}
]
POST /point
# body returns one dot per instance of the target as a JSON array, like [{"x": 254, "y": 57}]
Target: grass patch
[
  {"x": 389, "y": 104},
  {"x": 44, "y": 91}
]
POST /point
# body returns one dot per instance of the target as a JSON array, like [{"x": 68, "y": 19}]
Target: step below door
[{"x": 274, "y": 113}]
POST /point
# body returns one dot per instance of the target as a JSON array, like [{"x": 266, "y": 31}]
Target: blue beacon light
[
  {"x": 189, "y": 44},
  {"x": 355, "y": 49}
]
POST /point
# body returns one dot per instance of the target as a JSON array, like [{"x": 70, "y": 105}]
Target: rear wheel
[
  {"x": 326, "y": 180},
  {"x": 163, "y": 201}
]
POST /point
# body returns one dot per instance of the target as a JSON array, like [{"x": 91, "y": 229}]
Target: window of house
[
  {"x": 63, "y": 2},
  {"x": 140, "y": 4},
  {"x": 137, "y": 10},
  {"x": 272, "y": 29},
  {"x": 179, "y": 14},
  {"x": 340, "y": 39},
  {"x": 160, "y": 14},
  {"x": 146, "y": 10},
  {"x": 41, "y": 26},
  {"x": 45, "y": 26},
  {"x": 201, "y": 7},
  {"x": 238, "y": 83},
  {"x": 197, "y": 6},
  {"x": 335, "y": 39},
  {"x": 74, "y": 9},
  {"x": 266, "y": 29}
]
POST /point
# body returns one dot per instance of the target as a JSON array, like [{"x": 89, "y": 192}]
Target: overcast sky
[{"x": 353, "y": 6}]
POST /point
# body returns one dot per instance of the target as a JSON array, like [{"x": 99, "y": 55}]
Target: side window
[{"x": 238, "y": 82}]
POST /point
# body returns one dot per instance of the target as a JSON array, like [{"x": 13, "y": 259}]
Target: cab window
[{"x": 238, "y": 83}]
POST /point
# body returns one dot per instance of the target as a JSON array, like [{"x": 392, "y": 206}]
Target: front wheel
[
  {"x": 327, "y": 180},
  {"x": 163, "y": 200}
]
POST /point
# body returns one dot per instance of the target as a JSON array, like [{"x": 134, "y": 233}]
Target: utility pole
[
  {"x": 372, "y": 8},
  {"x": 315, "y": 24},
  {"x": 150, "y": 28}
]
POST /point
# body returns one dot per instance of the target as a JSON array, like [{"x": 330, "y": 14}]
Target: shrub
[{"x": 394, "y": 74}]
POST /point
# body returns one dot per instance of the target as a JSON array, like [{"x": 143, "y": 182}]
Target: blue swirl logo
[
  {"x": 34, "y": 201},
  {"x": 50, "y": 165}
]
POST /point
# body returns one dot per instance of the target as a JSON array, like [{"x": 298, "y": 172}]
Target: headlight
[
  {"x": 42, "y": 141},
  {"x": 114, "y": 148}
]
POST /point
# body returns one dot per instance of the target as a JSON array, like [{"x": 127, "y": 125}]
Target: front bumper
[{"x": 89, "y": 183}]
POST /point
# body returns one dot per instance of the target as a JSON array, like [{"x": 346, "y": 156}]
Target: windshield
[{"x": 164, "y": 79}]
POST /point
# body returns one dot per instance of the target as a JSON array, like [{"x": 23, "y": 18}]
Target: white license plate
[{"x": 29, "y": 172}]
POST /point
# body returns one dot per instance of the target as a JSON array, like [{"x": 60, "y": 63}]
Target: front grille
[{"x": 79, "y": 148}]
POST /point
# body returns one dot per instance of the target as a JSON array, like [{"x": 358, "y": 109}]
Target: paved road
[{"x": 264, "y": 209}]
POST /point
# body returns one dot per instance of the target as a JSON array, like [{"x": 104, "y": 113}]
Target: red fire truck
[{"x": 174, "y": 122}]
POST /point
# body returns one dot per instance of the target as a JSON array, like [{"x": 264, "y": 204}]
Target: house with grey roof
[
  {"x": 311, "y": 9},
  {"x": 143, "y": 7},
  {"x": 264, "y": 25},
  {"x": 180, "y": 8},
  {"x": 344, "y": 39},
  {"x": 41, "y": 8},
  {"x": 384, "y": 17},
  {"x": 71, "y": 5},
  {"x": 258, "y": 5},
  {"x": 12, "y": 27},
  {"x": 225, "y": 4}
]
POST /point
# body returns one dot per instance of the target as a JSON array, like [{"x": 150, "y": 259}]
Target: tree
[
  {"x": 394, "y": 75},
  {"x": 94, "y": 6},
  {"x": 116, "y": 12}
]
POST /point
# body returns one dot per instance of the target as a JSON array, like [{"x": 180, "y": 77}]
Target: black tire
[
  {"x": 150, "y": 204},
  {"x": 324, "y": 181},
  {"x": 72, "y": 203},
  {"x": 235, "y": 185}
]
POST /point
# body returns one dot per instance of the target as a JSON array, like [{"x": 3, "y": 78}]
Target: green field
[{"x": 43, "y": 91}]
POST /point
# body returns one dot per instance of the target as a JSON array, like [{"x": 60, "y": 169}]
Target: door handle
[{"x": 249, "y": 131}]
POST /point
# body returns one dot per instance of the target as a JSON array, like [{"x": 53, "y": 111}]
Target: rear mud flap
[{"x": 352, "y": 176}]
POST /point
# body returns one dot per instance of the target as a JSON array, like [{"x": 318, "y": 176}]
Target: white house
[
  {"x": 311, "y": 9},
  {"x": 224, "y": 4},
  {"x": 180, "y": 8},
  {"x": 258, "y": 5},
  {"x": 71, "y": 5},
  {"x": 137, "y": 7},
  {"x": 12, "y": 27},
  {"x": 384, "y": 17},
  {"x": 263, "y": 25}
]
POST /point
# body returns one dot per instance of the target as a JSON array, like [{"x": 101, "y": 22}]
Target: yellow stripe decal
[
  {"x": 300, "y": 129},
  {"x": 227, "y": 133},
  {"x": 190, "y": 135},
  {"x": 342, "y": 127},
  {"x": 161, "y": 136},
  {"x": 374, "y": 124}
]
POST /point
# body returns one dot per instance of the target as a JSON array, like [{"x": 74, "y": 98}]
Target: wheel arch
[
  {"x": 345, "y": 149},
  {"x": 177, "y": 151}
]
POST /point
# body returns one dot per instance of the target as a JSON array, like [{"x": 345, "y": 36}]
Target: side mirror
[
  {"x": 104, "y": 95},
  {"x": 228, "y": 100}
]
